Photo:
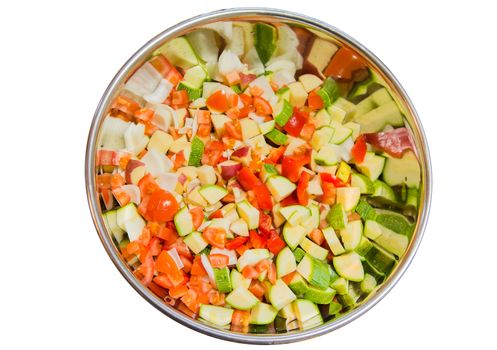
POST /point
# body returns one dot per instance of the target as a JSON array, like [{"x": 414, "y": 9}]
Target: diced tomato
[
  {"x": 257, "y": 240},
  {"x": 265, "y": 225},
  {"x": 147, "y": 268},
  {"x": 121, "y": 196},
  {"x": 288, "y": 277},
  {"x": 263, "y": 197},
  {"x": 296, "y": 122},
  {"x": 168, "y": 235},
  {"x": 262, "y": 265},
  {"x": 291, "y": 166},
  {"x": 240, "y": 318},
  {"x": 163, "y": 281},
  {"x": 236, "y": 242},
  {"x": 187, "y": 263},
  {"x": 179, "y": 97},
  {"x": 218, "y": 214},
  {"x": 314, "y": 101},
  {"x": 257, "y": 288},
  {"x": 178, "y": 292},
  {"x": 165, "y": 263},
  {"x": 233, "y": 129},
  {"x": 218, "y": 260},
  {"x": 147, "y": 185},
  {"x": 162, "y": 206},
  {"x": 290, "y": 200},
  {"x": 262, "y": 107},
  {"x": 307, "y": 131},
  {"x": 197, "y": 216},
  {"x": 344, "y": 63},
  {"x": 216, "y": 298},
  {"x": 218, "y": 102},
  {"x": 144, "y": 114},
  {"x": 190, "y": 299},
  {"x": 250, "y": 272},
  {"x": 271, "y": 273},
  {"x": 245, "y": 79},
  {"x": 359, "y": 149},
  {"x": 173, "y": 76},
  {"x": 275, "y": 244},
  {"x": 242, "y": 249},
  {"x": 215, "y": 236},
  {"x": 247, "y": 179},
  {"x": 213, "y": 153},
  {"x": 302, "y": 194},
  {"x": 204, "y": 130},
  {"x": 327, "y": 177},
  {"x": 317, "y": 236}
]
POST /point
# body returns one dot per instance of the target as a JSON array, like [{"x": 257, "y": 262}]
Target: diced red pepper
[
  {"x": 296, "y": 122},
  {"x": 275, "y": 244},
  {"x": 291, "y": 165},
  {"x": 343, "y": 64},
  {"x": 302, "y": 194},
  {"x": 257, "y": 240},
  {"x": 329, "y": 193},
  {"x": 290, "y": 200},
  {"x": 263, "y": 197},
  {"x": 327, "y": 177},
  {"x": 247, "y": 179},
  {"x": 359, "y": 149},
  {"x": 236, "y": 243}
]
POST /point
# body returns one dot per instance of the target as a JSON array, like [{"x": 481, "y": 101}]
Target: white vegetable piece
[
  {"x": 173, "y": 253},
  {"x": 229, "y": 62},
  {"x": 168, "y": 181},
  {"x": 163, "y": 116},
  {"x": 263, "y": 83},
  {"x": 135, "y": 138},
  {"x": 160, "y": 93},
  {"x": 229, "y": 253},
  {"x": 144, "y": 81},
  {"x": 133, "y": 192},
  {"x": 156, "y": 163}
]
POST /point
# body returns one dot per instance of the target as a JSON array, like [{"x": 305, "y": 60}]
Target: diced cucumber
[
  {"x": 321, "y": 137},
  {"x": 337, "y": 217},
  {"x": 341, "y": 285},
  {"x": 376, "y": 119},
  {"x": 258, "y": 328},
  {"x": 293, "y": 235},
  {"x": 285, "y": 262},
  {"x": 349, "y": 266},
  {"x": 267, "y": 171},
  {"x": 351, "y": 234},
  {"x": 195, "y": 242},
  {"x": 319, "y": 296},
  {"x": 394, "y": 221},
  {"x": 222, "y": 279},
  {"x": 265, "y": 37},
  {"x": 288, "y": 313},
  {"x": 237, "y": 280},
  {"x": 343, "y": 172},
  {"x": 322, "y": 118},
  {"x": 372, "y": 166},
  {"x": 380, "y": 259},
  {"x": 299, "y": 253},
  {"x": 403, "y": 170},
  {"x": 327, "y": 155},
  {"x": 283, "y": 93},
  {"x": 277, "y": 137},
  {"x": 184, "y": 222},
  {"x": 212, "y": 193},
  {"x": 368, "y": 284},
  {"x": 329, "y": 91},
  {"x": 218, "y": 315},
  {"x": 377, "y": 98},
  {"x": 282, "y": 112},
  {"x": 197, "y": 149},
  {"x": 195, "y": 77},
  {"x": 333, "y": 241},
  {"x": 313, "y": 249},
  {"x": 110, "y": 219},
  {"x": 334, "y": 308},
  {"x": 352, "y": 296},
  {"x": 251, "y": 257},
  {"x": 193, "y": 93},
  {"x": 412, "y": 197},
  {"x": 248, "y": 213},
  {"x": 280, "y": 295},
  {"x": 348, "y": 197},
  {"x": 313, "y": 322},
  {"x": 370, "y": 269},
  {"x": 364, "y": 246},
  {"x": 305, "y": 310},
  {"x": 129, "y": 220},
  {"x": 179, "y": 52},
  {"x": 333, "y": 275},
  {"x": 363, "y": 182},
  {"x": 355, "y": 128},
  {"x": 295, "y": 214},
  {"x": 280, "y": 187},
  {"x": 241, "y": 299},
  {"x": 341, "y": 133},
  {"x": 314, "y": 271},
  {"x": 298, "y": 284},
  {"x": 262, "y": 313}
]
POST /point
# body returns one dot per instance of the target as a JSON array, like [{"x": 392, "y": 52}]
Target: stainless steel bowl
[{"x": 265, "y": 14}]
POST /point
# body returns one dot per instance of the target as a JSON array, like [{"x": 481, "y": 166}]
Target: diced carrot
[
  {"x": 256, "y": 91},
  {"x": 174, "y": 76},
  {"x": 144, "y": 114},
  {"x": 257, "y": 288},
  {"x": 232, "y": 78},
  {"x": 203, "y": 117},
  {"x": 197, "y": 267},
  {"x": 178, "y": 292},
  {"x": 161, "y": 64},
  {"x": 307, "y": 131},
  {"x": 314, "y": 101},
  {"x": 317, "y": 236},
  {"x": 180, "y": 97},
  {"x": 288, "y": 277}
]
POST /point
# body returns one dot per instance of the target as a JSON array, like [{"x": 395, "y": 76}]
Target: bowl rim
[{"x": 178, "y": 316}]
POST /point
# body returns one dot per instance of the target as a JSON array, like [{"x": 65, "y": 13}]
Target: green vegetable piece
[
  {"x": 264, "y": 40},
  {"x": 277, "y": 137},
  {"x": 196, "y": 153}
]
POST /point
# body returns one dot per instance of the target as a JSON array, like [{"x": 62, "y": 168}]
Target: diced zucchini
[
  {"x": 334, "y": 308},
  {"x": 305, "y": 310},
  {"x": 179, "y": 52},
  {"x": 285, "y": 262},
  {"x": 262, "y": 313},
  {"x": 364, "y": 246},
  {"x": 222, "y": 279},
  {"x": 376, "y": 119},
  {"x": 241, "y": 299},
  {"x": 184, "y": 222},
  {"x": 277, "y": 137},
  {"x": 341, "y": 133},
  {"x": 280, "y": 295},
  {"x": 337, "y": 217},
  {"x": 343, "y": 172},
  {"x": 314, "y": 271},
  {"x": 251, "y": 257},
  {"x": 393, "y": 242},
  {"x": 333, "y": 241},
  {"x": 265, "y": 36},
  {"x": 237, "y": 280},
  {"x": 380, "y": 259},
  {"x": 366, "y": 211},
  {"x": 267, "y": 171},
  {"x": 363, "y": 182},
  {"x": 282, "y": 112},
  {"x": 266, "y": 127},
  {"x": 129, "y": 220},
  {"x": 368, "y": 284},
  {"x": 248, "y": 213},
  {"x": 110, "y": 219},
  {"x": 218, "y": 315},
  {"x": 298, "y": 284},
  {"x": 351, "y": 234},
  {"x": 403, "y": 170},
  {"x": 341, "y": 285},
  {"x": 348, "y": 197},
  {"x": 349, "y": 266},
  {"x": 212, "y": 193},
  {"x": 295, "y": 214},
  {"x": 280, "y": 187},
  {"x": 329, "y": 91},
  {"x": 196, "y": 152},
  {"x": 195, "y": 242},
  {"x": 293, "y": 235},
  {"x": 327, "y": 155},
  {"x": 313, "y": 249},
  {"x": 372, "y": 166},
  {"x": 299, "y": 253},
  {"x": 384, "y": 191},
  {"x": 394, "y": 221},
  {"x": 319, "y": 296},
  {"x": 321, "y": 137}
]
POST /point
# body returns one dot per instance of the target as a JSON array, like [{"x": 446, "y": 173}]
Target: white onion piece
[
  {"x": 173, "y": 253},
  {"x": 135, "y": 138},
  {"x": 168, "y": 181},
  {"x": 203, "y": 226},
  {"x": 192, "y": 185},
  {"x": 262, "y": 83},
  {"x": 133, "y": 192},
  {"x": 156, "y": 163},
  {"x": 144, "y": 81},
  {"x": 208, "y": 268},
  {"x": 160, "y": 93},
  {"x": 163, "y": 116},
  {"x": 229, "y": 62},
  {"x": 256, "y": 118},
  {"x": 229, "y": 253}
]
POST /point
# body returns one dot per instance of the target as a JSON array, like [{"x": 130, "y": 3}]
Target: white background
[{"x": 58, "y": 288}]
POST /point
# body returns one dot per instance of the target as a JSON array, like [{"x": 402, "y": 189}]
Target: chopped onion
[
  {"x": 160, "y": 93},
  {"x": 133, "y": 192},
  {"x": 229, "y": 62},
  {"x": 198, "y": 103},
  {"x": 203, "y": 225},
  {"x": 144, "y": 81},
  {"x": 173, "y": 253},
  {"x": 208, "y": 268},
  {"x": 157, "y": 163},
  {"x": 256, "y": 118},
  {"x": 168, "y": 181},
  {"x": 229, "y": 253},
  {"x": 192, "y": 185},
  {"x": 163, "y": 116}
]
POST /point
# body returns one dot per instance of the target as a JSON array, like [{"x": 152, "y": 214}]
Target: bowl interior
[{"x": 320, "y": 30}]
